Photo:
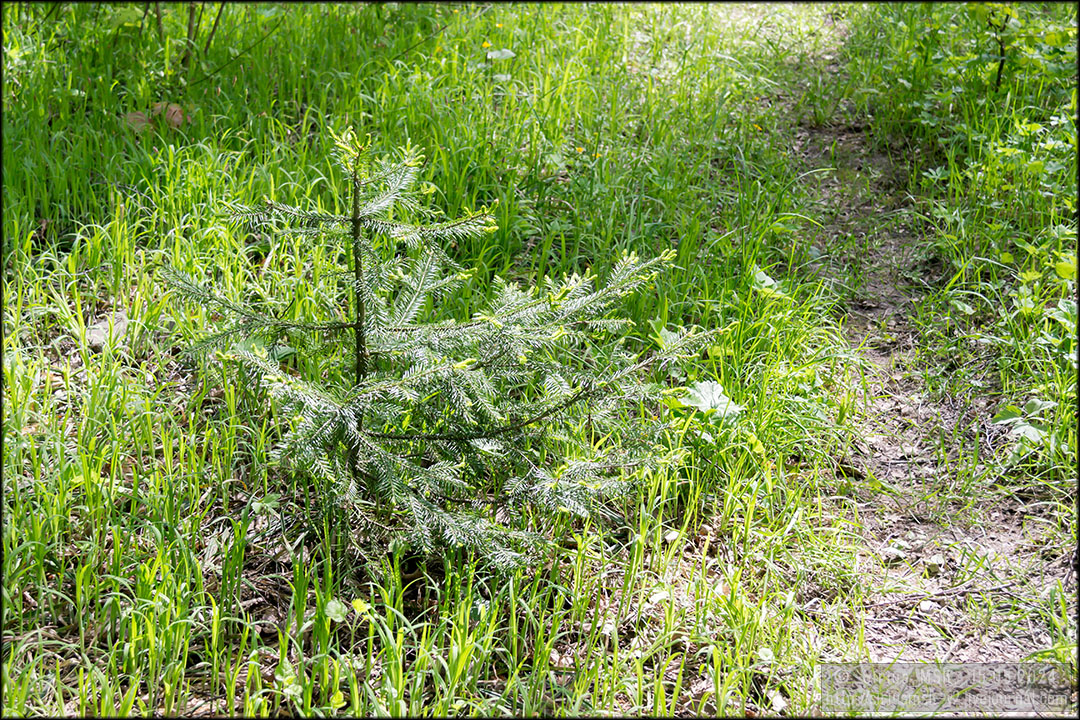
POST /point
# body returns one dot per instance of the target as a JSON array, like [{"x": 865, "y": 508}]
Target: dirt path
[{"x": 960, "y": 575}]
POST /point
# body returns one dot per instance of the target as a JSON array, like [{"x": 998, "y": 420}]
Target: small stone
[
  {"x": 779, "y": 702},
  {"x": 671, "y": 536},
  {"x": 97, "y": 335},
  {"x": 561, "y": 660},
  {"x": 928, "y": 606}
]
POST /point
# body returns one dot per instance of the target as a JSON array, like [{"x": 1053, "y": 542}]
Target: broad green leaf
[
  {"x": 1065, "y": 269},
  {"x": 1065, "y": 313},
  {"x": 668, "y": 337},
  {"x": 765, "y": 284},
  {"x": 294, "y": 690},
  {"x": 1034, "y": 407},
  {"x": 1006, "y": 415},
  {"x": 672, "y": 402},
  {"x": 762, "y": 279},
  {"x": 709, "y": 396},
  {"x": 755, "y": 444},
  {"x": 1030, "y": 276},
  {"x": 664, "y": 337},
  {"x": 961, "y": 306},
  {"x": 284, "y": 672},
  {"x": 281, "y": 352},
  {"x": 1030, "y": 432},
  {"x": 336, "y": 610},
  {"x": 124, "y": 16},
  {"x": 266, "y": 504},
  {"x": 1055, "y": 38}
]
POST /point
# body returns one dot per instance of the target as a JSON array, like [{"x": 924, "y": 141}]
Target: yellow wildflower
[{"x": 486, "y": 44}]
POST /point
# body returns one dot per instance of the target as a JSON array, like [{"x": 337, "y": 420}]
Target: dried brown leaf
[
  {"x": 137, "y": 120},
  {"x": 174, "y": 114}
]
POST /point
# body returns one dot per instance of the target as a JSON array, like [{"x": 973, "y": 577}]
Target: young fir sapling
[{"x": 439, "y": 432}]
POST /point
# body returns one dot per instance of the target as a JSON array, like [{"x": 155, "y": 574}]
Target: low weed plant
[{"x": 984, "y": 95}]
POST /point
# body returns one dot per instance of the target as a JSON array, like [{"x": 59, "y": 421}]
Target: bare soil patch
[{"x": 959, "y": 575}]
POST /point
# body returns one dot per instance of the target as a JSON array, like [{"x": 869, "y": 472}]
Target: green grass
[
  {"x": 154, "y": 561},
  {"x": 994, "y": 176}
]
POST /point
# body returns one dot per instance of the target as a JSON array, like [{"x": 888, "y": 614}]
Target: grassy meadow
[{"x": 154, "y": 561}]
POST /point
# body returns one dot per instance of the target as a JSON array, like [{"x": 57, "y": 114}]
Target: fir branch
[
  {"x": 251, "y": 322},
  {"x": 397, "y": 179},
  {"x": 491, "y": 432},
  {"x": 412, "y": 235},
  {"x": 268, "y": 212}
]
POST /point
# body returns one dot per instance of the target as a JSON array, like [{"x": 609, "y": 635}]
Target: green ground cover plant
[
  {"x": 985, "y": 93},
  {"x": 155, "y": 557}
]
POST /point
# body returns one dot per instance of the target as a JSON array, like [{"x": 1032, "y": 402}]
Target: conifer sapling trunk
[{"x": 358, "y": 274}]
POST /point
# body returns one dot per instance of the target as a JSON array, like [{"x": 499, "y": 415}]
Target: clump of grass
[{"x": 142, "y": 557}]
